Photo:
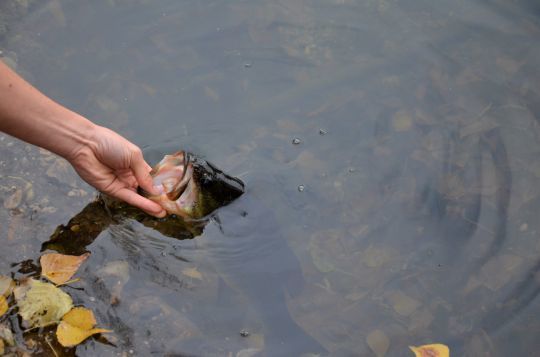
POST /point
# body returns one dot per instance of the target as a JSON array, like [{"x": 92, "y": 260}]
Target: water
[{"x": 419, "y": 159}]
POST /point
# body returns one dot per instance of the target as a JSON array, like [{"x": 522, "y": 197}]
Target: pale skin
[{"x": 101, "y": 157}]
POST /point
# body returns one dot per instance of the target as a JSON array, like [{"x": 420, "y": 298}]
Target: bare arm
[{"x": 100, "y": 156}]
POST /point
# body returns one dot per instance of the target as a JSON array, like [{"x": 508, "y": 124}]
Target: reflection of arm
[
  {"x": 30, "y": 116},
  {"x": 81, "y": 230}
]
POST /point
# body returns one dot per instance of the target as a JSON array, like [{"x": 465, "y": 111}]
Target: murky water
[{"x": 418, "y": 155}]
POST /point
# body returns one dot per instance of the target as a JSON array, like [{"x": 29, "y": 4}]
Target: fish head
[{"x": 191, "y": 187}]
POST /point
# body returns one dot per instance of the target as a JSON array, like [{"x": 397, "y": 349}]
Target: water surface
[{"x": 418, "y": 157}]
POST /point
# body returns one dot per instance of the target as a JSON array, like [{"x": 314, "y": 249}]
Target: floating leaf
[
  {"x": 6, "y": 285},
  {"x": 378, "y": 342},
  {"x": 41, "y": 304},
  {"x": 192, "y": 273},
  {"x": 59, "y": 268},
  {"x": 80, "y": 317},
  {"x": 3, "y": 305},
  {"x": 434, "y": 350},
  {"x": 76, "y": 326}
]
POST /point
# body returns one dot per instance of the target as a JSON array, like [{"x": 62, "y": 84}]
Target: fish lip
[
  {"x": 187, "y": 176},
  {"x": 182, "y": 182}
]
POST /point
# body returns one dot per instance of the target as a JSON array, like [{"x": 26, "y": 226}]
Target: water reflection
[{"x": 417, "y": 222}]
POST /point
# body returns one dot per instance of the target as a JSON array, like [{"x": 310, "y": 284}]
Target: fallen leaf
[
  {"x": 76, "y": 326},
  {"x": 59, "y": 268},
  {"x": 355, "y": 296},
  {"x": 41, "y": 304},
  {"x": 55, "y": 7},
  {"x": 80, "y": 317},
  {"x": 248, "y": 352},
  {"x": 14, "y": 200},
  {"x": 509, "y": 65},
  {"x": 434, "y": 350},
  {"x": 375, "y": 257},
  {"x": 211, "y": 93},
  {"x": 500, "y": 270},
  {"x": 320, "y": 259},
  {"x": 6, "y": 285},
  {"x": 402, "y": 121},
  {"x": 192, "y": 273},
  {"x": 2, "y": 351},
  {"x": 378, "y": 342},
  {"x": 478, "y": 127},
  {"x": 6, "y": 336},
  {"x": 403, "y": 304},
  {"x": 3, "y": 305},
  {"x": 421, "y": 319}
]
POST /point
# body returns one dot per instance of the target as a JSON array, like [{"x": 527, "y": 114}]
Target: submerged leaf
[
  {"x": 6, "y": 336},
  {"x": 378, "y": 342},
  {"x": 320, "y": 259},
  {"x": 192, "y": 273},
  {"x": 3, "y": 305},
  {"x": 41, "y": 304},
  {"x": 76, "y": 326},
  {"x": 434, "y": 350},
  {"x": 14, "y": 200},
  {"x": 403, "y": 304},
  {"x": 402, "y": 121},
  {"x": 6, "y": 285},
  {"x": 59, "y": 268}
]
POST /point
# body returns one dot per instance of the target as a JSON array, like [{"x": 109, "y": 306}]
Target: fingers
[
  {"x": 139, "y": 201},
  {"x": 141, "y": 170}
]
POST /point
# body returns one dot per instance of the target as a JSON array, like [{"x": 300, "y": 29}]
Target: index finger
[{"x": 134, "y": 199}]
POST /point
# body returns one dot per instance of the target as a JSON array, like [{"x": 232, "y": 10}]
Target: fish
[{"x": 242, "y": 236}]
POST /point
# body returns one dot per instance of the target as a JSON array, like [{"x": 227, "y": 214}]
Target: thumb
[{"x": 141, "y": 170}]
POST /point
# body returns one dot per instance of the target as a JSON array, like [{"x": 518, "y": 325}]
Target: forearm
[{"x": 31, "y": 116}]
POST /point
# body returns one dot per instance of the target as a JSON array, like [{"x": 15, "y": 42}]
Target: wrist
[{"x": 76, "y": 134}]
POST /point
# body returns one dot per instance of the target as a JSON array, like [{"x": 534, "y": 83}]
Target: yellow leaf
[
  {"x": 434, "y": 350},
  {"x": 70, "y": 336},
  {"x": 3, "y": 305},
  {"x": 76, "y": 326},
  {"x": 41, "y": 304},
  {"x": 59, "y": 268},
  {"x": 80, "y": 317},
  {"x": 192, "y": 273}
]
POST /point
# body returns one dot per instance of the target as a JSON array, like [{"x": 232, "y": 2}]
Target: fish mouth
[
  {"x": 170, "y": 176},
  {"x": 191, "y": 187},
  {"x": 174, "y": 180},
  {"x": 178, "y": 189}
]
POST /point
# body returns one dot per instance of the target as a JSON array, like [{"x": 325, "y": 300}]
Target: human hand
[{"x": 115, "y": 166}]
